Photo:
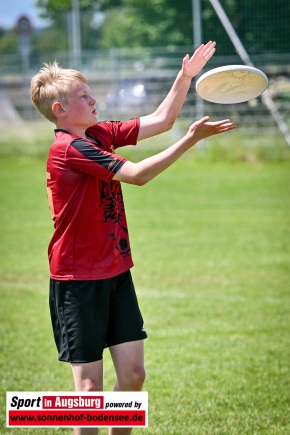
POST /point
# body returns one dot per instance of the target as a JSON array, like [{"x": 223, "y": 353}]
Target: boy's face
[{"x": 81, "y": 107}]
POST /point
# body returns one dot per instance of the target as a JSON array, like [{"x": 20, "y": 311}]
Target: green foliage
[
  {"x": 48, "y": 39},
  {"x": 150, "y": 24},
  {"x": 119, "y": 28},
  {"x": 212, "y": 28},
  {"x": 52, "y": 8},
  {"x": 58, "y": 34},
  {"x": 261, "y": 25},
  {"x": 9, "y": 42}
]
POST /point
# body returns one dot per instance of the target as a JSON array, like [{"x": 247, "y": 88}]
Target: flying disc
[{"x": 231, "y": 84}]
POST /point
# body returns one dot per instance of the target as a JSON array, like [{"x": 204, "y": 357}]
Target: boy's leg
[
  {"x": 128, "y": 359},
  {"x": 88, "y": 377}
]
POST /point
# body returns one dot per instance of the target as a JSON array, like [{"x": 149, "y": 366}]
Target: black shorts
[{"x": 88, "y": 316}]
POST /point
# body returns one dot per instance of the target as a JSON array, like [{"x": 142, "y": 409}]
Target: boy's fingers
[
  {"x": 203, "y": 120},
  {"x": 224, "y": 121},
  {"x": 207, "y": 50}
]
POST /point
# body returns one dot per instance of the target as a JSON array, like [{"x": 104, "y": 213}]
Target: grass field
[{"x": 210, "y": 240}]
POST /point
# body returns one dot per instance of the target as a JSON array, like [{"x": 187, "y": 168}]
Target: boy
[{"x": 92, "y": 297}]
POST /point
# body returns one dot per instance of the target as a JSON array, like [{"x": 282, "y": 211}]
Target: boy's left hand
[{"x": 191, "y": 66}]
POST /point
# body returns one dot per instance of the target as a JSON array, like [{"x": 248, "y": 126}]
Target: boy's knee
[
  {"x": 137, "y": 377},
  {"x": 91, "y": 385}
]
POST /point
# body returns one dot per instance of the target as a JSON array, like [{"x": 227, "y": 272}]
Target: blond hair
[{"x": 53, "y": 83}]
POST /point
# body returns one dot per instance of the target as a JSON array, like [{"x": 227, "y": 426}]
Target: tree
[
  {"x": 52, "y": 8},
  {"x": 149, "y": 23},
  {"x": 263, "y": 26},
  {"x": 131, "y": 22},
  {"x": 9, "y": 42},
  {"x": 58, "y": 11}
]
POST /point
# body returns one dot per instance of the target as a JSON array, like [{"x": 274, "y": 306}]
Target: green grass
[{"x": 212, "y": 270}]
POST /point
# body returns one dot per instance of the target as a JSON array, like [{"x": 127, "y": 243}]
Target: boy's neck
[{"x": 72, "y": 129}]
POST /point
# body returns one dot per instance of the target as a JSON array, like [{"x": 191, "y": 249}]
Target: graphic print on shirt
[{"x": 113, "y": 210}]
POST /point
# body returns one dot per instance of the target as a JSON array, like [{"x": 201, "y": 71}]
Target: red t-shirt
[{"x": 91, "y": 239}]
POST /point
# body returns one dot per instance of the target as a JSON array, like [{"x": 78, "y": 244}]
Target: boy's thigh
[{"x": 129, "y": 355}]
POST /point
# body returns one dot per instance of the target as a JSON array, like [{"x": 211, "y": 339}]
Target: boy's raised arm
[{"x": 165, "y": 115}]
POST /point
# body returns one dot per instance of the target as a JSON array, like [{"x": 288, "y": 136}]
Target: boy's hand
[
  {"x": 203, "y": 128},
  {"x": 192, "y": 66}
]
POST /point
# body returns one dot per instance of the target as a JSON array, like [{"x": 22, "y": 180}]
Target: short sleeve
[
  {"x": 116, "y": 133},
  {"x": 85, "y": 157}
]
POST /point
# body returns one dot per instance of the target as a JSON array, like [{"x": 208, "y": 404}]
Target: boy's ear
[{"x": 57, "y": 109}]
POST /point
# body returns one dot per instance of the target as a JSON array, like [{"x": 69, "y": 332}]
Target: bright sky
[{"x": 11, "y": 10}]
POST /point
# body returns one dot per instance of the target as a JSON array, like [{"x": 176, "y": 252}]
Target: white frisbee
[{"x": 231, "y": 84}]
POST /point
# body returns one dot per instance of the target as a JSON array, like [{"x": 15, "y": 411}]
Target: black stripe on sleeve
[{"x": 103, "y": 158}]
